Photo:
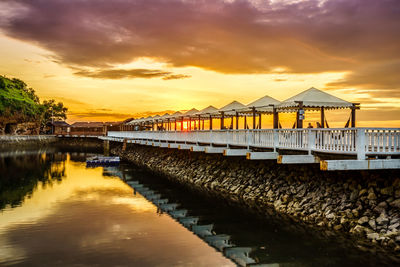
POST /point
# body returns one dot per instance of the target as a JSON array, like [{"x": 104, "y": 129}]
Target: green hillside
[{"x": 18, "y": 100}]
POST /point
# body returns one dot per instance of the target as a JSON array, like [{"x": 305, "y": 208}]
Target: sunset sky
[{"x": 114, "y": 59}]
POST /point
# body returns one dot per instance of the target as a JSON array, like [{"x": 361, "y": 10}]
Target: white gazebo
[
  {"x": 174, "y": 117},
  {"x": 188, "y": 115},
  {"x": 231, "y": 110},
  {"x": 163, "y": 118},
  {"x": 207, "y": 113},
  {"x": 315, "y": 99},
  {"x": 263, "y": 105}
]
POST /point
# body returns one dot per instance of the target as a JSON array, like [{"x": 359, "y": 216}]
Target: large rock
[
  {"x": 358, "y": 229},
  {"x": 371, "y": 196},
  {"x": 395, "y": 203},
  {"x": 382, "y": 219},
  {"x": 373, "y": 236},
  {"x": 381, "y": 207},
  {"x": 363, "y": 220}
]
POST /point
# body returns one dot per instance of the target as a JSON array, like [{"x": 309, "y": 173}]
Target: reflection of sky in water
[{"x": 91, "y": 219}]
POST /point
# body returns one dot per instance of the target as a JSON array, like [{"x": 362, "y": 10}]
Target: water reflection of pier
[{"x": 221, "y": 242}]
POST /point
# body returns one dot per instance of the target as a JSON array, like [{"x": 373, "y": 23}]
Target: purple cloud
[{"x": 228, "y": 37}]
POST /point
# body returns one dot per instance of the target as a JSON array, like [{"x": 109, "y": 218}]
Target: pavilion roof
[
  {"x": 166, "y": 115},
  {"x": 314, "y": 98},
  {"x": 232, "y": 107},
  {"x": 262, "y": 104},
  {"x": 175, "y": 115},
  {"x": 207, "y": 111},
  {"x": 191, "y": 112}
]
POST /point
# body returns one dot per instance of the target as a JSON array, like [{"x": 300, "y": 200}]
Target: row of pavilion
[{"x": 311, "y": 99}]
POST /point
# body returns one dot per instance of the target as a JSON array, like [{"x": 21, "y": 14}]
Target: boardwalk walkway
[{"x": 371, "y": 148}]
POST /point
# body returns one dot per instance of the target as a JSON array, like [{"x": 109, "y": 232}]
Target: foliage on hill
[{"x": 19, "y": 101}]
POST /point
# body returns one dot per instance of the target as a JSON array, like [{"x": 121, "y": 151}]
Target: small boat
[{"x": 102, "y": 161}]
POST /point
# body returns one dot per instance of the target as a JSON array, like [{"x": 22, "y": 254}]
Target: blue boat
[{"x": 102, "y": 161}]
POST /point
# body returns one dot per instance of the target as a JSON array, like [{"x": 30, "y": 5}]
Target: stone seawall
[
  {"x": 9, "y": 142},
  {"x": 359, "y": 203},
  {"x": 80, "y": 143},
  {"x": 23, "y": 140}
]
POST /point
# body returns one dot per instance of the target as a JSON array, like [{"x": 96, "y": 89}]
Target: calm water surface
[{"x": 56, "y": 212}]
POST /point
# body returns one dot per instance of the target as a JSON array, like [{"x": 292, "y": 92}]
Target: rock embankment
[{"x": 362, "y": 203}]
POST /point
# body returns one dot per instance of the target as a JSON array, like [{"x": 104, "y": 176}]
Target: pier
[
  {"x": 351, "y": 148},
  {"x": 347, "y": 148}
]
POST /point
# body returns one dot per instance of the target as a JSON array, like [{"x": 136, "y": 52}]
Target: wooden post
[
  {"x": 182, "y": 125},
  {"x": 245, "y": 122},
  {"x": 259, "y": 120},
  {"x": 237, "y": 120},
  {"x": 353, "y": 116},
  {"x": 106, "y": 147},
  {"x": 300, "y": 122},
  {"x": 175, "y": 125},
  {"x": 199, "y": 122},
  {"x": 124, "y": 144},
  {"x": 254, "y": 117},
  {"x": 276, "y": 118},
  {"x": 190, "y": 124},
  {"x": 322, "y": 117},
  {"x": 222, "y": 120},
  {"x": 211, "y": 126},
  {"x": 203, "y": 125}
]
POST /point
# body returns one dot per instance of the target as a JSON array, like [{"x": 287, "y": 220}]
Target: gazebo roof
[
  {"x": 190, "y": 112},
  {"x": 208, "y": 110},
  {"x": 314, "y": 98},
  {"x": 263, "y": 104},
  {"x": 156, "y": 117},
  {"x": 166, "y": 115},
  {"x": 132, "y": 122},
  {"x": 175, "y": 115},
  {"x": 233, "y": 106}
]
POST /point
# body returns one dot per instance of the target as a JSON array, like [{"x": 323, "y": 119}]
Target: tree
[{"x": 52, "y": 111}]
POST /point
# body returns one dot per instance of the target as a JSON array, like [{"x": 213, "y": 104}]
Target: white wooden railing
[{"x": 356, "y": 141}]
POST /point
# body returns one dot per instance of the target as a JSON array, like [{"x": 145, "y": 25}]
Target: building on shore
[
  {"x": 59, "y": 127},
  {"x": 86, "y": 128}
]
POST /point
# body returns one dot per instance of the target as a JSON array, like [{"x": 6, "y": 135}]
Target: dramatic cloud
[
  {"x": 383, "y": 79},
  {"x": 225, "y": 36},
  {"x": 132, "y": 73}
]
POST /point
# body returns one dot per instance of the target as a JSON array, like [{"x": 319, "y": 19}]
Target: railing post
[
  {"x": 248, "y": 138},
  {"x": 311, "y": 141},
  {"x": 360, "y": 143},
  {"x": 275, "y": 139},
  {"x": 227, "y": 138}
]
